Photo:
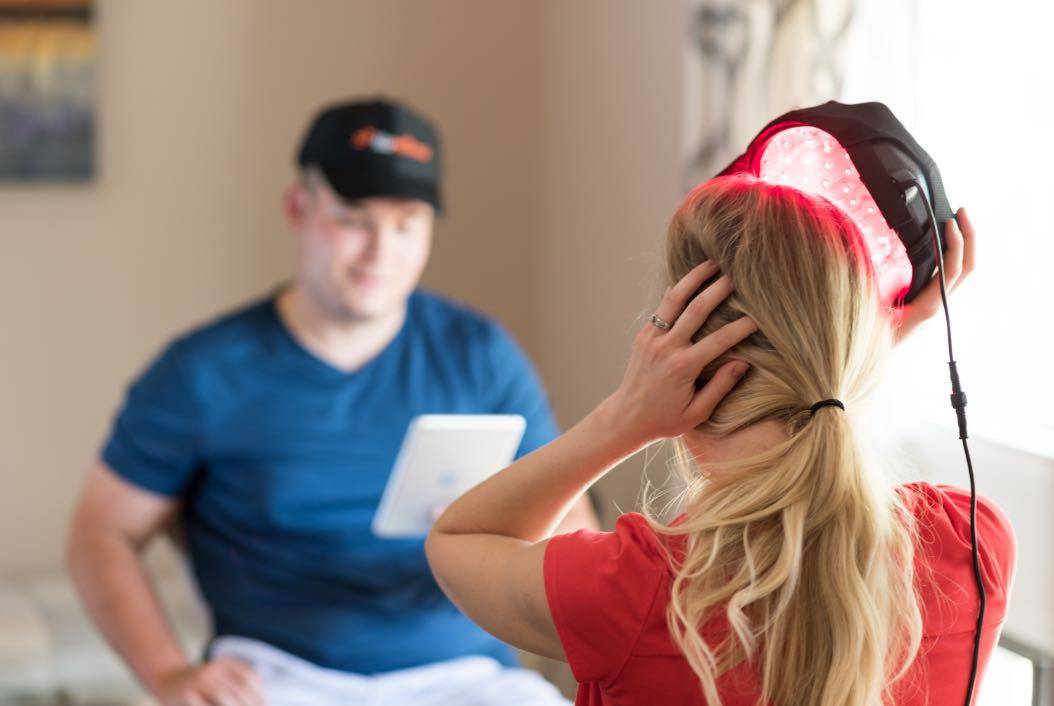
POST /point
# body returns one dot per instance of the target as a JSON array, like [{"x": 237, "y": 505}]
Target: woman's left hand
[
  {"x": 959, "y": 256},
  {"x": 658, "y": 397}
]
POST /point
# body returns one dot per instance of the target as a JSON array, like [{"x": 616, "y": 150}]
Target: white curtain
[{"x": 747, "y": 61}]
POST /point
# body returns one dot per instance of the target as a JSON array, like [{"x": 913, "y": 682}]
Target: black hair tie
[{"x": 826, "y": 403}]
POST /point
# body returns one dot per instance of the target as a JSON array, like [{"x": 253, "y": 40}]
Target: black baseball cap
[{"x": 374, "y": 148}]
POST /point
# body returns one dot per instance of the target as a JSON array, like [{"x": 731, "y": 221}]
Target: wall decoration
[{"x": 47, "y": 90}]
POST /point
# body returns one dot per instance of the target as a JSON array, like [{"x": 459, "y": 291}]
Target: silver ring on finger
[{"x": 659, "y": 323}]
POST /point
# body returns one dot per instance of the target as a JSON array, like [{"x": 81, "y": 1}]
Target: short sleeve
[
  {"x": 947, "y": 588},
  {"x": 998, "y": 544},
  {"x": 156, "y": 439},
  {"x": 518, "y": 389},
  {"x": 601, "y": 588}
]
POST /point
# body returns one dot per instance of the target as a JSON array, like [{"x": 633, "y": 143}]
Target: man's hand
[
  {"x": 221, "y": 682},
  {"x": 958, "y": 264}
]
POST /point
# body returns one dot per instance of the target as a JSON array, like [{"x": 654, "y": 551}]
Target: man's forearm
[{"x": 110, "y": 578}]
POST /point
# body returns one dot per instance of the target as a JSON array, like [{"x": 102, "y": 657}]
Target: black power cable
[{"x": 958, "y": 400}]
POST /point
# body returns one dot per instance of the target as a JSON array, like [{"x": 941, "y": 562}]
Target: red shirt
[{"x": 608, "y": 593}]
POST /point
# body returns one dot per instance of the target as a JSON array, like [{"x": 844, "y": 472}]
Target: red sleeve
[
  {"x": 948, "y": 592},
  {"x": 601, "y": 587},
  {"x": 945, "y": 536},
  {"x": 996, "y": 544}
]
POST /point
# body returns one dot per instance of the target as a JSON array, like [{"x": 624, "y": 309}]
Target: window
[
  {"x": 971, "y": 82},
  {"x": 1017, "y": 675}
]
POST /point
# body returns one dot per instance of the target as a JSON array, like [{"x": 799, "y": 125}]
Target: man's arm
[{"x": 112, "y": 522}]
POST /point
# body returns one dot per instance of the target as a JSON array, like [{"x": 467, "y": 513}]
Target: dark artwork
[{"x": 47, "y": 92}]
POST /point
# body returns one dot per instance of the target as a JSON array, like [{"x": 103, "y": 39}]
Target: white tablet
[{"x": 442, "y": 456}]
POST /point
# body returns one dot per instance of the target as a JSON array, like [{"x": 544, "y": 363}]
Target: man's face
[{"x": 362, "y": 259}]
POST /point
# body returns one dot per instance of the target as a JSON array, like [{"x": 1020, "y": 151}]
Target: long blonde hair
[{"x": 805, "y": 550}]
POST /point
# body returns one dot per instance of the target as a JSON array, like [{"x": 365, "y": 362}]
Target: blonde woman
[{"x": 794, "y": 574}]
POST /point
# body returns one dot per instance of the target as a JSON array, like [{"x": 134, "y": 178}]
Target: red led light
[{"x": 813, "y": 161}]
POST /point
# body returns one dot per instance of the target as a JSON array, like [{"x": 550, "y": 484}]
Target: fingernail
[{"x": 741, "y": 369}]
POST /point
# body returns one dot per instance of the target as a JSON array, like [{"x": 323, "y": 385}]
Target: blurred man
[{"x": 270, "y": 433}]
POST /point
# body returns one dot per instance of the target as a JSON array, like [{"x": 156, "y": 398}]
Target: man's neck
[{"x": 345, "y": 344}]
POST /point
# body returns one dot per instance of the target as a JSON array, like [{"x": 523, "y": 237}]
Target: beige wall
[
  {"x": 200, "y": 106},
  {"x": 610, "y": 182}
]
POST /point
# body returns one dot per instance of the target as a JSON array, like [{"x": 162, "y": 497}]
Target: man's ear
[{"x": 296, "y": 203}]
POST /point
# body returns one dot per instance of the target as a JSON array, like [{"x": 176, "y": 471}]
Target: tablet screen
[{"x": 442, "y": 456}]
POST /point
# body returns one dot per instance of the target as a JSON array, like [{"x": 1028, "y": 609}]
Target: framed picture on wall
[{"x": 47, "y": 90}]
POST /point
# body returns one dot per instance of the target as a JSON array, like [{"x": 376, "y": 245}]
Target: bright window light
[
  {"x": 969, "y": 81},
  {"x": 1008, "y": 680}
]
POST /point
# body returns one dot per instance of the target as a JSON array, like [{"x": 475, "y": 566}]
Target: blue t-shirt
[{"x": 281, "y": 460}]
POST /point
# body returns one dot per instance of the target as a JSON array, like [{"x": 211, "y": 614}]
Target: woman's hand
[
  {"x": 658, "y": 397},
  {"x": 958, "y": 264},
  {"x": 487, "y": 550}
]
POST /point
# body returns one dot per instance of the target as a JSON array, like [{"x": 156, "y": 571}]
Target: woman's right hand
[
  {"x": 958, "y": 264},
  {"x": 658, "y": 397}
]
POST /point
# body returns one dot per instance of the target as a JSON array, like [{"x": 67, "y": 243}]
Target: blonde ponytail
[{"x": 803, "y": 551}]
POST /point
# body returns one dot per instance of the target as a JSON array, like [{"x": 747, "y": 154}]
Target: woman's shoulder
[
  {"x": 928, "y": 500},
  {"x": 602, "y": 587},
  {"x": 632, "y": 539},
  {"x": 942, "y": 516},
  {"x": 632, "y": 554}
]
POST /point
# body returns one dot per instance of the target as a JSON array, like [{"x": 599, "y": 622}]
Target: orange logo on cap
[{"x": 405, "y": 145}]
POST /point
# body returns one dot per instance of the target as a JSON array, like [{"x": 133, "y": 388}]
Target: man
[{"x": 270, "y": 434}]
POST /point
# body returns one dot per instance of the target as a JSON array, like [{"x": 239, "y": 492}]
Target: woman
[{"x": 794, "y": 574}]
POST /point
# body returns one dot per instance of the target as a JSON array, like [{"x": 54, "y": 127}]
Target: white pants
[{"x": 468, "y": 681}]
